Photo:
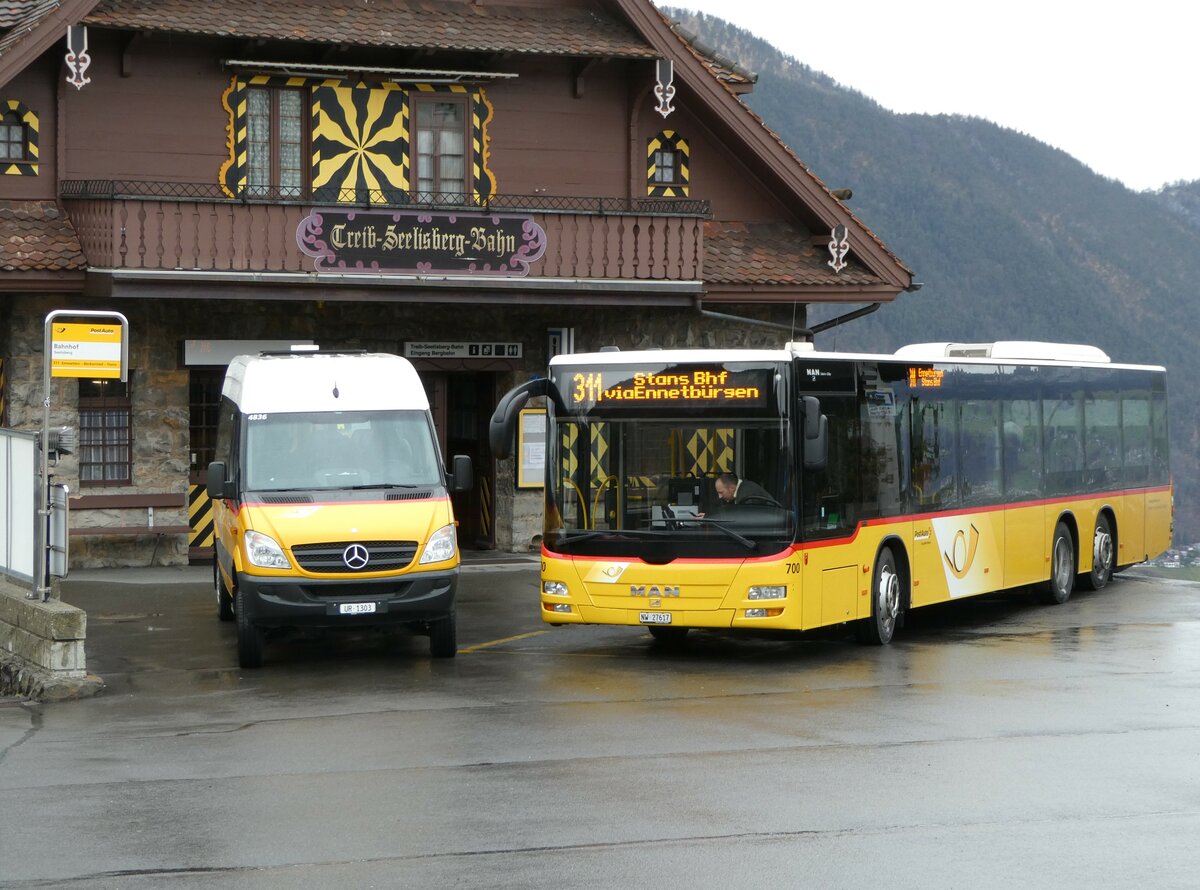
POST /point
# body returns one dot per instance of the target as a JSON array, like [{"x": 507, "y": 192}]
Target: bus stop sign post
[{"x": 76, "y": 343}]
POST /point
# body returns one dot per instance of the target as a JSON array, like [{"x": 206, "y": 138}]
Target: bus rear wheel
[
  {"x": 886, "y": 599},
  {"x": 1104, "y": 556},
  {"x": 1057, "y": 590}
]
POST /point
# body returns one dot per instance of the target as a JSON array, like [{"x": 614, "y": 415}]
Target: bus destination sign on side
[
  {"x": 678, "y": 386},
  {"x": 925, "y": 377}
]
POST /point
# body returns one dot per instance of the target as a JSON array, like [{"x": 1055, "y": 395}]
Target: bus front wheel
[
  {"x": 443, "y": 637},
  {"x": 886, "y": 599},
  {"x": 1057, "y": 590},
  {"x": 224, "y": 597},
  {"x": 249, "y": 634}
]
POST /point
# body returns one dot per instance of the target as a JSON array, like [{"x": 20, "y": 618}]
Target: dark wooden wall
[{"x": 35, "y": 88}]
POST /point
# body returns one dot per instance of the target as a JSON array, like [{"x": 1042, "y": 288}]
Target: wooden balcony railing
[{"x": 171, "y": 226}]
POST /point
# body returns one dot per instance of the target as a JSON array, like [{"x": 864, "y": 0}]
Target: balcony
[{"x": 163, "y": 231}]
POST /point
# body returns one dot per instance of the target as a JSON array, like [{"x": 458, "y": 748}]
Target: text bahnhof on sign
[{"x": 699, "y": 385}]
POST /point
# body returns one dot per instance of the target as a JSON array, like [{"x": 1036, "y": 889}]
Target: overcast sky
[{"x": 1117, "y": 85}]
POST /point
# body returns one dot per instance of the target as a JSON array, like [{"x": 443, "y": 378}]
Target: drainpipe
[
  {"x": 823, "y": 326},
  {"x": 793, "y": 332}
]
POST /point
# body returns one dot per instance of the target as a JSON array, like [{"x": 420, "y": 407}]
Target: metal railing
[{"x": 123, "y": 189}]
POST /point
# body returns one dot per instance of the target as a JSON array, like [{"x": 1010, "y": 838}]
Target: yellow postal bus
[
  {"x": 330, "y": 503},
  {"x": 792, "y": 489}
]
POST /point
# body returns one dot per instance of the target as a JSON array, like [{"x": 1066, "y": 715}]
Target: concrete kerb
[{"x": 42, "y": 648}]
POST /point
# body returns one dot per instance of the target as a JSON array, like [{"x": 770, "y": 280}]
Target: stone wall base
[{"x": 41, "y": 648}]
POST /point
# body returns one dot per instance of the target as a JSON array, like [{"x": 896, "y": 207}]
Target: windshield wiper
[
  {"x": 367, "y": 487},
  {"x": 616, "y": 533}
]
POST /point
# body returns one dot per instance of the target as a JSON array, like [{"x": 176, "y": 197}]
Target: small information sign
[
  {"x": 454, "y": 349},
  {"x": 85, "y": 350},
  {"x": 531, "y": 471}
]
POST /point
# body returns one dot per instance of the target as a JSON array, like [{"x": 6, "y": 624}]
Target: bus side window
[
  {"x": 1022, "y": 448},
  {"x": 980, "y": 452},
  {"x": 1102, "y": 447},
  {"x": 1135, "y": 437},
  {"x": 832, "y": 500},
  {"x": 935, "y": 459}
]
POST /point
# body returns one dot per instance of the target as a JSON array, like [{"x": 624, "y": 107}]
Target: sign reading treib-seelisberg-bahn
[{"x": 421, "y": 242}]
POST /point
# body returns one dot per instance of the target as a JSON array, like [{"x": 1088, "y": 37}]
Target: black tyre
[
  {"x": 249, "y": 635},
  {"x": 1104, "y": 556},
  {"x": 443, "y": 637},
  {"x": 674, "y": 635},
  {"x": 887, "y": 597},
  {"x": 224, "y": 597},
  {"x": 1057, "y": 590}
]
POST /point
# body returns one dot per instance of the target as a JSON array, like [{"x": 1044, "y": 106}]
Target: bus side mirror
[
  {"x": 816, "y": 435},
  {"x": 502, "y": 428},
  {"x": 463, "y": 476},
  {"x": 218, "y": 486}
]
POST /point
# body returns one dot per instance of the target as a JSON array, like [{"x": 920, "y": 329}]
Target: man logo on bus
[
  {"x": 961, "y": 555},
  {"x": 653, "y": 590}
]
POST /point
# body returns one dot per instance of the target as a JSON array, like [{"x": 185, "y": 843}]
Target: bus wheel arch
[
  {"x": 889, "y": 594},
  {"x": 1104, "y": 551}
]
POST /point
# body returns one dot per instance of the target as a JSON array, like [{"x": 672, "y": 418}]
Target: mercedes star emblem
[{"x": 356, "y": 557}]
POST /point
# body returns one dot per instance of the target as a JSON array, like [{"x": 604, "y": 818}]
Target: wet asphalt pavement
[{"x": 996, "y": 743}]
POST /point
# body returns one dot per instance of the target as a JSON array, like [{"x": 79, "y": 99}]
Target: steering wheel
[{"x": 762, "y": 499}]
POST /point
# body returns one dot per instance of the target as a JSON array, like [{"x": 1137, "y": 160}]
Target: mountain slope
[{"x": 1013, "y": 239}]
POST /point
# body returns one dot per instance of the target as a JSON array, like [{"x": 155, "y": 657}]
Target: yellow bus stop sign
[{"x": 85, "y": 350}]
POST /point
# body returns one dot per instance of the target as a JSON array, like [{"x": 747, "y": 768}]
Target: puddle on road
[{"x": 125, "y": 618}]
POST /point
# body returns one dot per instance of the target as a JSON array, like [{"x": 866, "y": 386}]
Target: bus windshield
[
  {"x": 642, "y": 469},
  {"x": 342, "y": 449}
]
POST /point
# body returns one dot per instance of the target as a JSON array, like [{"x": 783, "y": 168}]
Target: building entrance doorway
[
  {"x": 204, "y": 401},
  {"x": 462, "y": 403}
]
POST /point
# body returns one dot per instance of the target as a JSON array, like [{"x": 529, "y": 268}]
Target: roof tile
[
  {"x": 22, "y": 16},
  {"x": 35, "y": 236},
  {"x": 450, "y": 24},
  {"x": 772, "y": 253}
]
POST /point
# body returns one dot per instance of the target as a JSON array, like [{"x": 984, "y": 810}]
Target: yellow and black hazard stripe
[
  {"x": 235, "y": 171},
  {"x": 485, "y": 507},
  {"x": 668, "y": 141},
  {"x": 600, "y": 454},
  {"x": 481, "y": 146},
  {"x": 709, "y": 452},
  {"x": 9, "y": 109},
  {"x": 200, "y": 517}
]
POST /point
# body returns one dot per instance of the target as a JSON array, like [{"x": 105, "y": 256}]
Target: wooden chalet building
[{"x": 472, "y": 183}]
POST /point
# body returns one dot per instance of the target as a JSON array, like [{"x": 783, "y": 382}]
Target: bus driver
[{"x": 732, "y": 490}]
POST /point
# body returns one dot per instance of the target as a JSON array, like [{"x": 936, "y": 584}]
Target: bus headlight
[
  {"x": 554, "y": 588},
  {"x": 440, "y": 546},
  {"x": 263, "y": 552},
  {"x": 768, "y": 593}
]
